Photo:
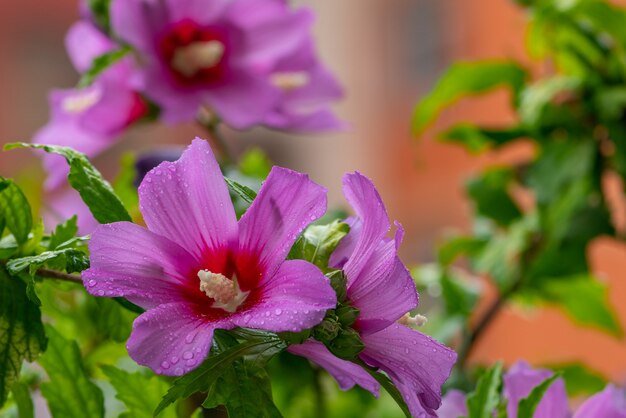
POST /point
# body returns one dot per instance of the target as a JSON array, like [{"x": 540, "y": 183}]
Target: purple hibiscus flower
[
  {"x": 231, "y": 56},
  {"x": 196, "y": 268},
  {"x": 521, "y": 379},
  {"x": 381, "y": 288},
  {"x": 89, "y": 119}
]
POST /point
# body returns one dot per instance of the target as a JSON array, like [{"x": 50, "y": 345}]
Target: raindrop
[
  {"x": 190, "y": 337},
  {"x": 165, "y": 365},
  {"x": 174, "y": 360},
  {"x": 278, "y": 311},
  {"x": 187, "y": 355},
  {"x": 92, "y": 283}
]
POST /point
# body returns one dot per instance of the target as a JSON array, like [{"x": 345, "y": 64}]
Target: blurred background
[{"x": 387, "y": 55}]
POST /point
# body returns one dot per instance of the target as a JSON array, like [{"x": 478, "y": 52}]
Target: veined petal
[
  {"x": 364, "y": 198},
  {"x": 287, "y": 202},
  {"x": 132, "y": 262},
  {"x": 187, "y": 201},
  {"x": 521, "y": 379},
  {"x": 136, "y": 21},
  {"x": 346, "y": 374},
  {"x": 610, "y": 403},
  {"x": 295, "y": 298},
  {"x": 171, "y": 339},
  {"x": 417, "y": 365}
]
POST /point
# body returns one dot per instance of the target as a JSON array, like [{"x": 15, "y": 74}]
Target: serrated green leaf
[
  {"x": 96, "y": 192},
  {"x": 124, "y": 184},
  {"x": 69, "y": 259},
  {"x": 201, "y": 379},
  {"x": 69, "y": 392},
  {"x": 100, "y": 64},
  {"x": 318, "y": 242},
  {"x": 22, "y": 334},
  {"x": 246, "y": 193},
  {"x": 15, "y": 210},
  {"x": 63, "y": 232},
  {"x": 111, "y": 319},
  {"x": 245, "y": 390},
  {"x": 476, "y": 139},
  {"x": 23, "y": 400},
  {"x": 491, "y": 196},
  {"x": 482, "y": 402},
  {"x": 585, "y": 300},
  {"x": 466, "y": 79},
  {"x": 527, "y": 406},
  {"x": 580, "y": 380},
  {"x": 140, "y": 392}
]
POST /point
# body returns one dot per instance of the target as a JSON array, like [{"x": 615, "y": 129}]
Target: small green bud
[
  {"x": 339, "y": 284},
  {"x": 346, "y": 315},
  {"x": 327, "y": 330},
  {"x": 347, "y": 345}
]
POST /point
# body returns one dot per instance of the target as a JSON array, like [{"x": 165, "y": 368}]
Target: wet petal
[
  {"x": 362, "y": 195},
  {"x": 171, "y": 339},
  {"x": 294, "y": 299},
  {"x": 346, "y": 374},
  {"x": 132, "y": 262},
  {"x": 187, "y": 201},
  {"x": 417, "y": 365},
  {"x": 287, "y": 202},
  {"x": 521, "y": 379}
]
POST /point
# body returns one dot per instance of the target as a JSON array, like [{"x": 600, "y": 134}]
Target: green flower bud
[
  {"x": 295, "y": 337},
  {"x": 339, "y": 283},
  {"x": 346, "y": 315},
  {"x": 347, "y": 345},
  {"x": 327, "y": 330}
]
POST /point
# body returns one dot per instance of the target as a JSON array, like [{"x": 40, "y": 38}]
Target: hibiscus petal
[
  {"x": 243, "y": 100},
  {"x": 346, "y": 374},
  {"x": 362, "y": 195},
  {"x": 287, "y": 202},
  {"x": 610, "y": 403},
  {"x": 171, "y": 339},
  {"x": 84, "y": 42},
  {"x": 417, "y": 365},
  {"x": 135, "y": 263},
  {"x": 294, "y": 299},
  {"x": 188, "y": 202},
  {"x": 201, "y": 11},
  {"x": 453, "y": 405},
  {"x": 521, "y": 379},
  {"x": 135, "y": 21}
]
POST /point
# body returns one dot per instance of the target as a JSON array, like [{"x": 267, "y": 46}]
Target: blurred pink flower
[
  {"x": 381, "y": 288},
  {"x": 196, "y": 268},
  {"x": 249, "y": 61}
]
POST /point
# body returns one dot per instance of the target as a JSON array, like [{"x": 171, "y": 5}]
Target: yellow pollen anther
[
  {"x": 81, "y": 101},
  {"x": 222, "y": 290},
  {"x": 196, "y": 56},
  {"x": 412, "y": 321},
  {"x": 290, "y": 80}
]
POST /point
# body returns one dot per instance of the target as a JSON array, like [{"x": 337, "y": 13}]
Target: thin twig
[{"x": 58, "y": 275}]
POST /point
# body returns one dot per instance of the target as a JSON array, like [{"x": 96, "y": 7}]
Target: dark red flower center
[{"x": 194, "y": 55}]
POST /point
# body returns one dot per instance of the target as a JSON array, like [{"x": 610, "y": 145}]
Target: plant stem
[
  {"x": 320, "y": 401},
  {"x": 57, "y": 275},
  {"x": 218, "y": 141}
]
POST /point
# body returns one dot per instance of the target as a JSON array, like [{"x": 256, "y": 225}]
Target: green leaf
[
  {"x": 476, "y": 139},
  {"x": 458, "y": 246},
  {"x": 69, "y": 259},
  {"x": 8, "y": 247},
  {"x": 70, "y": 392},
  {"x": 527, "y": 406},
  {"x": 491, "y": 196},
  {"x": 111, "y": 319},
  {"x": 15, "y": 210},
  {"x": 96, "y": 192},
  {"x": 124, "y": 184},
  {"x": 201, "y": 378},
  {"x": 246, "y": 193},
  {"x": 585, "y": 300},
  {"x": 318, "y": 242},
  {"x": 100, "y": 12},
  {"x": 486, "y": 397},
  {"x": 140, "y": 392},
  {"x": 63, "y": 233},
  {"x": 535, "y": 101},
  {"x": 245, "y": 390},
  {"x": 22, "y": 334},
  {"x": 100, "y": 64},
  {"x": 465, "y": 79},
  {"x": 22, "y": 398},
  {"x": 460, "y": 296},
  {"x": 579, "y": 380}
]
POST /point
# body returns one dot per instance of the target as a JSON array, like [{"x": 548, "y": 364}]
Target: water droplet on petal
[
  {"x": 190, "y": 337},
  {"x": 278, "y": 311},
  {"x": 165, "y": 365},
  {"x": 92, "y": 283},
  {"x": 174, "y": 360},
  {"x": 188, "y": 355}
]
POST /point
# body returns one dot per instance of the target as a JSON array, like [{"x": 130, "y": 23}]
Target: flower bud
[
  {"x": 339, "y": 283},
  {"x": 327, "y": 330},
  {"x": 347, "y": 345},
  {"x": 346, "y": 315}
]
